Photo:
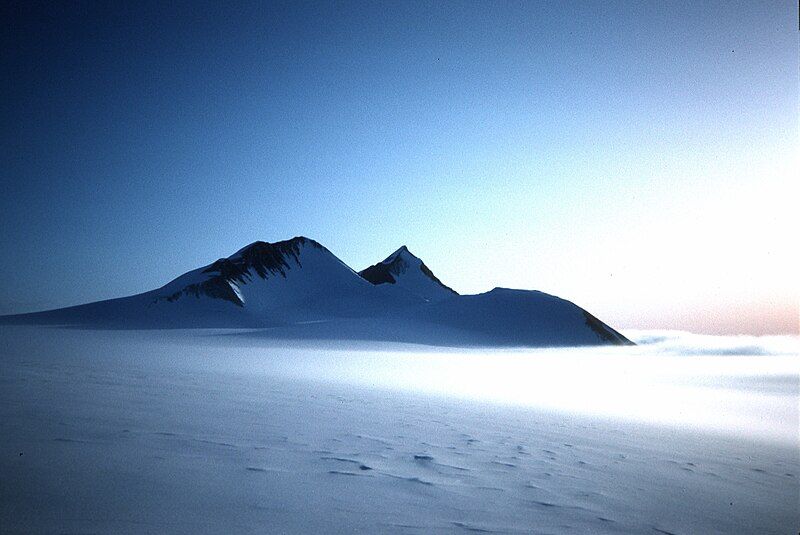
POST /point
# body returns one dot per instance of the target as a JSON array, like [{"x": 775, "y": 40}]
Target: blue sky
[{"x": 638, "y": 158}]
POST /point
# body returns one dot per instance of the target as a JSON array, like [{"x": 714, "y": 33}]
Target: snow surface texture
[
  {"x": 298, "y": 289},
  {"x": 223, "y": 431}
]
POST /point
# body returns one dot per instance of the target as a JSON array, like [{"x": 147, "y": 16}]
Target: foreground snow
[{"x": 218, "y": 432}]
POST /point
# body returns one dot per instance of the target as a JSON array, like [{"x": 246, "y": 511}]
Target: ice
[{"x": 207, "y": 431}]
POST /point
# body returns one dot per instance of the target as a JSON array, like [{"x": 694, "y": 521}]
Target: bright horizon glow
[
  {"x": 742, "y": 385},
  {"x": 639, "y": 160}
]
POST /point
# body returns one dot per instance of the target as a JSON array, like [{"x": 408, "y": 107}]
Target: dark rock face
[
  {"x": 386, "y": 271},
  {"x": 433, "y": 277},
  {"x": 606, "y": 333},
  {"x": 218, "y": 288},
  {"x": 262, "y": 258},
  {"x": 379, "y": 274}
]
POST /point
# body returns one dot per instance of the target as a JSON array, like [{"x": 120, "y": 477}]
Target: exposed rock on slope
[{"x": 410, "y": 273}]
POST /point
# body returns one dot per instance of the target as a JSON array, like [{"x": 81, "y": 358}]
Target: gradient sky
[{"x": 638, "y": 158}]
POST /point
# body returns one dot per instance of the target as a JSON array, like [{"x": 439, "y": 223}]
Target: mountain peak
[
  {"x": 408, "y": 271},
  {"x": 401, "y": 255},
  {"x": 262, "y": 246},
  {"x": 222, "y": 278}
]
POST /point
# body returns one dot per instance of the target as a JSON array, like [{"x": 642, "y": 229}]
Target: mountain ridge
[
  {"x": 298, "y": 288},
  {"x": 394, "y": 268},
  {"x": 266, "y": 259}
]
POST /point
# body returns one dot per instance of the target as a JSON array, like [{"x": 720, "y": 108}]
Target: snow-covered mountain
[
  {"x": 299, "y": 289},
  {"x": 286, "y": 281},
  {"x": 410, "y": 273},
  {"x": 520, "y": 317}
]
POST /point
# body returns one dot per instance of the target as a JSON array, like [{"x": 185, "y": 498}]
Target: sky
[{"x": 637, "y": 158}]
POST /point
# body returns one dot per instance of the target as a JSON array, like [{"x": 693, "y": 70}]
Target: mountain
[
  {"x": 298, "y": 289},
  {"x": 504, "y": 316},
  {"x": 286, "y": 281},
  {"x": 410, "y": 273}
]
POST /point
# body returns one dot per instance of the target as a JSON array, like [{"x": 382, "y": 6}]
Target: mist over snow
[
  {"x": 687, "y": 343},
  {"x": 209, "y": 431},
  {"x": 711, "y": 388}
]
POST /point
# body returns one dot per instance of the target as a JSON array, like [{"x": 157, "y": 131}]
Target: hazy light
[{"x": 745, "y": 394}]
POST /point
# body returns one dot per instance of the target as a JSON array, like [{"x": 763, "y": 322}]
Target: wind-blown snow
[{"x": 225, "y": 431}]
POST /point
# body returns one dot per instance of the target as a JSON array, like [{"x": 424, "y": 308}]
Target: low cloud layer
[{"x": 686, "y": 343}]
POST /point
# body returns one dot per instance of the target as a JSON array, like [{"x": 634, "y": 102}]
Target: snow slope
[
  {"x": 298, "y": 289},
  {"x": 286, "y": 282},
  {"x": 263, "y": 284},
  {"x": 520, "y": 317},
  {"x": 406, "y": 271}
]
